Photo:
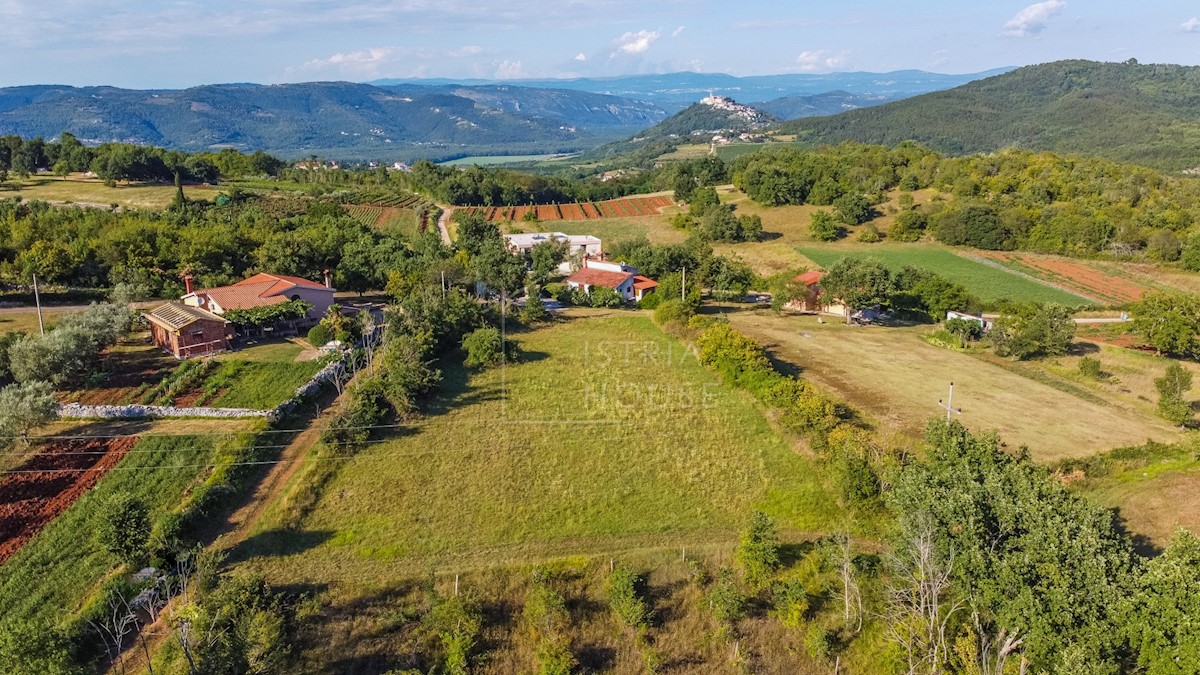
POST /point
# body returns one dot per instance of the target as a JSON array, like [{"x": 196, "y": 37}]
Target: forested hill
[
  {"x": 697, "y": 123},
  {"x": 341, "y": 120},
  {"x": 1145, "y": 114}
]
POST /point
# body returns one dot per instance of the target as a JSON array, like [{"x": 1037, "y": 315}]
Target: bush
[
  {"x": 825, "y": 227},
  {"x": 1172, "y": 387},
  {"x": 319, "y": 335},
  {"x": 650, "y": 301},
  {"x": 625, "y": 600},
  {"x": 672, "y": 313},
  {"x": 125, "y": 528},
  {"x": 534, "y": 310},
  {"x": 1091, "y": 368},
  {"x": 24, "y": 407},
  {"x": 791, "y": 603},
  {"x": 725, "y": 600},
  {"x": 603, "y": 296},
  {"x": 758, "y": 551},
  {"x": 484, "y": 347},
  {"x": 1034, "y": 330},
  {"x": 870, "y": 234}
]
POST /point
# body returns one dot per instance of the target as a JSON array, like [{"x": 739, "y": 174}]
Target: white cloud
[
  {"x": 1192, "y": 25},
  {"x": 1031, "y": 20},
  {"x": 467, "y": 50},
  {"x": 362, "y": 63},
  {"x": 820, "y": 60},
  {"x": 581, "y": 57},
  {"x": 510, "y": 70},
  {"x": 637, "y": 43},
  {"x": 677, "y": 32}
]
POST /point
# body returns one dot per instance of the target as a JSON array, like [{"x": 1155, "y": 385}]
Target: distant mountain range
[
  {"x": 675, "y": 91},
  {"x": 1145, "y": 114},
  {"x": 390, "y": 120}
]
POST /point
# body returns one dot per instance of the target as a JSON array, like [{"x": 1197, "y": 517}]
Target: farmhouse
[
  {"x": 812, "y": 300},
  {"x": 582, "y": 245},
  {"x": 262, "y": 290},
  {"x": 188, "y": 331},
  {"x": 620, "y": 277}
]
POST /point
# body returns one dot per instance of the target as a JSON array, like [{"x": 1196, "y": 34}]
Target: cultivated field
[
  {"x": 897, "y": 379},
  {"x": 1106, "y": 283},
  {"x": 989, "y": 283},
  {"x": 52, "y": 571},
  {"x": 93, "y": 192},
  {"x": 626, "y": 207},
  {"x": 608, "y": 439},
  {"x": 613, "y": 230}
]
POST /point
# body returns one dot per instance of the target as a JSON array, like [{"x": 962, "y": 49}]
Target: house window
[{"x": 196, "y": 333}]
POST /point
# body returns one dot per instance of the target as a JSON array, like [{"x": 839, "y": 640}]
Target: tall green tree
[
  {"x": 1172, "y": 389},
  {"x": 857, "y": 283},
  {"x": 1169, "y": 322}
]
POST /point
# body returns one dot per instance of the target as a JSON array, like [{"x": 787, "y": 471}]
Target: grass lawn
[
  {"x": 897, "y": 379},
  {"x": 93, "y": 191},
  {"x": 989, "y": 283},
  {"x": 27, "y": 322},
  {"x": 608, "y": 436},
  {"x": 1153, "y": 501},
  {"x": 276, "y": 350},
  {"x": 612, "y": 230},
  {"x": 52, "y": 574},
  {"x": 258, "y": 385}
]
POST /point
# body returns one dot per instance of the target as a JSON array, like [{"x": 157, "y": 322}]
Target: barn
[{"x": 187, "y": 331}]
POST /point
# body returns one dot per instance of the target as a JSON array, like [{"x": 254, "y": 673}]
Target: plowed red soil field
[
  {"x": 1076, "y": 276},
  {"x": 626, "y": 207},
  {"x": 35, "y": 492}
]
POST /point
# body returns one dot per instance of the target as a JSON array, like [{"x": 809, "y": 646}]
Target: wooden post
[
  {"x": 455, "y": 585},
  {"x": 37, "y": 299}
]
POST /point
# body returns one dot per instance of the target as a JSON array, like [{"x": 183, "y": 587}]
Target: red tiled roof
[
  {"x": 259, "y": 290},
  {"x": 281, "y": 282},
  {"x": 809, "y": 278},
  {"x": 590, "y": 276},
  {"x": 641, "y": 283}
]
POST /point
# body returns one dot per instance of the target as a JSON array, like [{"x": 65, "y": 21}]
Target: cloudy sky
[{"x": 178, "y": 43}]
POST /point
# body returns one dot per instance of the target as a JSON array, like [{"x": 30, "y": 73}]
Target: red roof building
[
  {"x": 618, "y": 276},
  {"x": 262, "y": 290}
]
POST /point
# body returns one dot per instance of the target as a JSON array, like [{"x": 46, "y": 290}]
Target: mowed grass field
[
  {"x": 989, "y": 283},
  {"x": 1153, "y": 501},
  {"x": 897, "y": 379},
  {"x": 607, "y": 436},
  {"x": 93, "y": 191}
]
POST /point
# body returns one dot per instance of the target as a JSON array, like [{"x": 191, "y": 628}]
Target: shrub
[
  {"x": 725, "y": 600},
  {"x": 319, "y": 335},
  {"x": 650, "y": 301},
  {"x": 870, "y": 234},
  {"x": 1172, "y": 387},
  {"x": 758, "y": 551},
  {"x": 125, "y": 528},
  {"x": 534, "y": 310},
  {"x": 484, "y": 347},
  {"x": 624, "y": 599},
  {"x": 825, "y": 227},
  {"x": 672, "y": 313},
  {"x": 1090, "y": 368},
  {"x": 603, "y": 296},
  {"x": 456, "y": 622},
  {"x": 24, "y": 407},
  {"x": 791, "y": 603}
]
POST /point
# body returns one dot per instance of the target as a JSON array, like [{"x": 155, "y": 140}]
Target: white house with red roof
[
  {"x": 262, "y": 290},
  {"x": 620, "y": 277}
]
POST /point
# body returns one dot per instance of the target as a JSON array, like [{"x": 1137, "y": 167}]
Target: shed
[{"x": 188, "y": 331}]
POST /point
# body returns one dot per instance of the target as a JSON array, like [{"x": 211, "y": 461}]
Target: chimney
[
  {"x": 187, "y": 283},
  {"x": 328, "y": 279}
]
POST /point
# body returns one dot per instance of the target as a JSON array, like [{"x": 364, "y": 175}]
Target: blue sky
[{"x": 179, "y": 43}]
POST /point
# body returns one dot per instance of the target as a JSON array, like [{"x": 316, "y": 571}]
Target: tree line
[{"x": 124, "y": 161}]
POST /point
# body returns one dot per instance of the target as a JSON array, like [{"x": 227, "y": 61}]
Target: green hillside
[{"x": 1145, "y": 114}]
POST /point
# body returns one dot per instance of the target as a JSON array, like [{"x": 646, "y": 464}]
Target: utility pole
[
  {"x": 683, "y": 287},
  {"x": 37, "y": 299},
  {"x": 948, "y": 405},
  {"x": 443, "y": 284}
]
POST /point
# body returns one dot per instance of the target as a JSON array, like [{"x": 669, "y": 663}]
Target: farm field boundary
[
  {"x": 625, "y": 207},
  {"x": 991, "y": 282},
  {"x": 1077, "y": 277},
  {"x": 34, "y": 493}
]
